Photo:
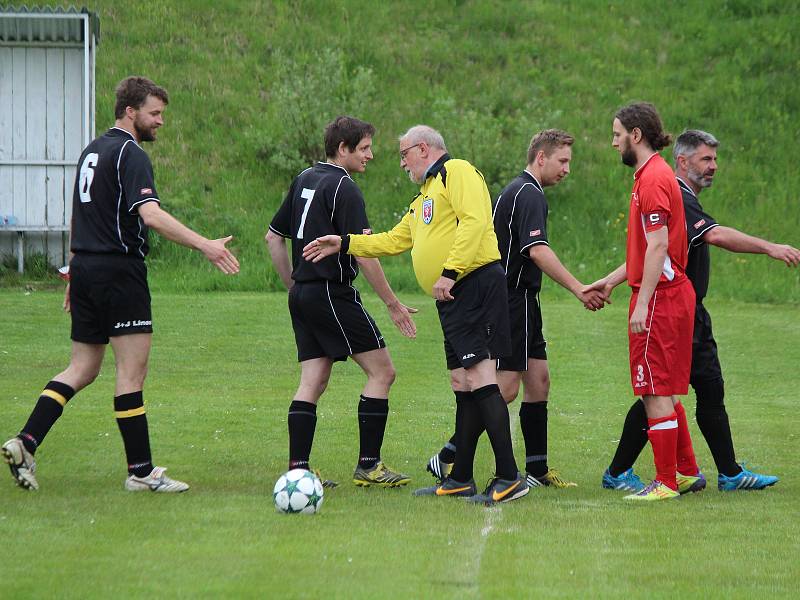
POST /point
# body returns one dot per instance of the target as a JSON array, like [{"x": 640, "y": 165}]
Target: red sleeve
[{"x": 654, "y": 205}]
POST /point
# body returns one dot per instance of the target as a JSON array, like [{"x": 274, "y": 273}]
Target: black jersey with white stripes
[
  {"x": 520, "y": 221},
  {"x": 322, "y": 200},
  {"x": 113, "y": 179},
  {"x": 698, "y": 222}
]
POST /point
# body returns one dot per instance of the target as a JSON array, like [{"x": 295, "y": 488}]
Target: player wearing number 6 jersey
[
  {"x": 115, "y": 202},
  {"x": 328, "y": 318}
]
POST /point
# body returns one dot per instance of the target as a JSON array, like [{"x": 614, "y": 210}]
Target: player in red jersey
[{"x": 662, "y": 299}]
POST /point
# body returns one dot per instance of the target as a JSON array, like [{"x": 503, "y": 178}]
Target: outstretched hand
[
  {"x": 401, "y": 317},
  {"x": 786, "y": 253},
  {"x": 222, "y": 258},
  {"x": 322, "y": 247}
]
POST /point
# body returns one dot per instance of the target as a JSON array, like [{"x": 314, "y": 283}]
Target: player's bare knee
[
  {"x": 510, "y": 393},
  {"x": 79, "y": 375},
  {"x": 389, "y": 375},
  {"x": 544, "y": 382}
]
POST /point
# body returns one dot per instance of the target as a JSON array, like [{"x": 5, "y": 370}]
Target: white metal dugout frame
[{"x": 47, "y": 116}]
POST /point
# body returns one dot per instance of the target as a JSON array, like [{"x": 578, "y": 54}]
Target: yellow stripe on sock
[
  {"x": 134, "y": 412},
  {"x": 55, "y": 396}
]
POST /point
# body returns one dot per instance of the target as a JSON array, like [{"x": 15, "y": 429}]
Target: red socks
[
  {"x": 663, "y": 435},
  {"x": 687, "y": 464}
]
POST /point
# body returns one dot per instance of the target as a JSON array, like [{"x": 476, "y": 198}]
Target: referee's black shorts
[
  {"x": 475, "y": 323},
  {"x": 108, "y": 297},
  {"x": 329, "y": 320},
  {"x": 527, "y": 340},
  {"x": 705, "y": 362}
]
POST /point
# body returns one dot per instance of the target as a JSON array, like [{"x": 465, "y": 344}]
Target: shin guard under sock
[
  {"x": 712, "y": 419},
  {"x": 663, "y": 434},
  {"x": 48, "y": 409},
  {"x": 302, "y": 424},
  {"x": 632, "y": 441},
  {"x": 372, "y": 416},
  {"x": 132, "y": 423},
  {"x": 494, "y": 412},
  {"x": 533, "y": 423},
  {"x": 687, "y": 463},
  {"x": 469, "y": 427}
]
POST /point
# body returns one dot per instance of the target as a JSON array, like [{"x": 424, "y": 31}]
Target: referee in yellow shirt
[{"x": 450, "y": 233}]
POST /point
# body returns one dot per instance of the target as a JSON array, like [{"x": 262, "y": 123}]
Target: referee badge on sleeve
[{"x": 427, "y": 211}]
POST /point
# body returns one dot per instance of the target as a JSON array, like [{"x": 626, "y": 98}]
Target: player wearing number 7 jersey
[
  {"x": 328, "y": 318},
  {"x": 115, "y": 202}
]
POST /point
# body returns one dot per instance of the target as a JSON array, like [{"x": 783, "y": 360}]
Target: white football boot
[
  {"x": 21, "y": 463},
  {"x": 155, "y": 482}
]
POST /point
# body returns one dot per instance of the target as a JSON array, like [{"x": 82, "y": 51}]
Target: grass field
[{"x": 222, "y": 374}]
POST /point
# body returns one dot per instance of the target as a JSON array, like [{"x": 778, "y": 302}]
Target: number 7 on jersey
[{"x": 308, "y": 196}]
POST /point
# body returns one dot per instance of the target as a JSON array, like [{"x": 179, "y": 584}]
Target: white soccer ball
[{"x": 298, "y": 491}]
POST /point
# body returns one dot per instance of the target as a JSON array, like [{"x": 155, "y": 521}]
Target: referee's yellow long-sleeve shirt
[{"x": 448, "y": 226}]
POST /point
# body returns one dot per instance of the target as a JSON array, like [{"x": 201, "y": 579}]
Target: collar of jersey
[
  {"x": 126, "y": 132},
  {"x": 327, "y": 164},
  {"x": 533, "y": 177},
  {"x": 638, "y": 172},
  {"x": 685, "y": 186},
  {"x": 437, "y": 167}
]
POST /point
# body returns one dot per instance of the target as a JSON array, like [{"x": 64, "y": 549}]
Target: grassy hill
[{"x": 253, "y": 82}]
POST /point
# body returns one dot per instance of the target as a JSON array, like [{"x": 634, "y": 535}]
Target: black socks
[
  {"x": 46, "y": 412},
  {"x": 632, "y": 441},
  {"x": 302, "y": 424},
  {"x": 372, "y": 416},
  {"x": 533, "y": 423},
  {"x": 132, "y": 423}
]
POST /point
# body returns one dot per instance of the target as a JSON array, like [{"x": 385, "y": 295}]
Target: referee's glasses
[{"x": 406, "y": 150}]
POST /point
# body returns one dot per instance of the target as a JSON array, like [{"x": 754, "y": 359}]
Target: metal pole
[{"x": 20, "y": 250}]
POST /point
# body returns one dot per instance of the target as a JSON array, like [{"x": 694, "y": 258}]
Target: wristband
[{"x": 450, "y": 274}]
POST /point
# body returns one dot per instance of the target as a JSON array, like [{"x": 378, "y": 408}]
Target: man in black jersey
[
  {"x": 695, "y": 155},
  {"x": 329, "y": 321},
  {"x": 114, "y": 204},
  {"x": 520, "y": 223}
]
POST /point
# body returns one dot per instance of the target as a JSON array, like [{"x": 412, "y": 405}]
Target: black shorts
[
  {"x": 527, "y": 341},
  {"x": 108, "y": 297},
  {"x": 705, "y": 362},
  {"x": 329, "y": 320},
  {"x": 475, "y": 324}
]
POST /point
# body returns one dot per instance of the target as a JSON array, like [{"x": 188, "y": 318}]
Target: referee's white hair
[{"x": 423, "y": 133}]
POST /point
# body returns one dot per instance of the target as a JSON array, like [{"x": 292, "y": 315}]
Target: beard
[
  {"x": 414, "y": 179},
  {"x": 144, "y": 134},
  {"x": 700, "y": 180},
  {"x": 629, "y": 157}
]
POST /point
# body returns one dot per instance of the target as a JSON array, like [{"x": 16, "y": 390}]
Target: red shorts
[{"x": 661, "y": 358}]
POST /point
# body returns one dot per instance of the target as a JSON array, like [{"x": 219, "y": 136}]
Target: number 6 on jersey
[{"x": 86, "y": 176}]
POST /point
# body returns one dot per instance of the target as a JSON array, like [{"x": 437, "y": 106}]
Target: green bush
[{"x": 310, "y": 89}]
